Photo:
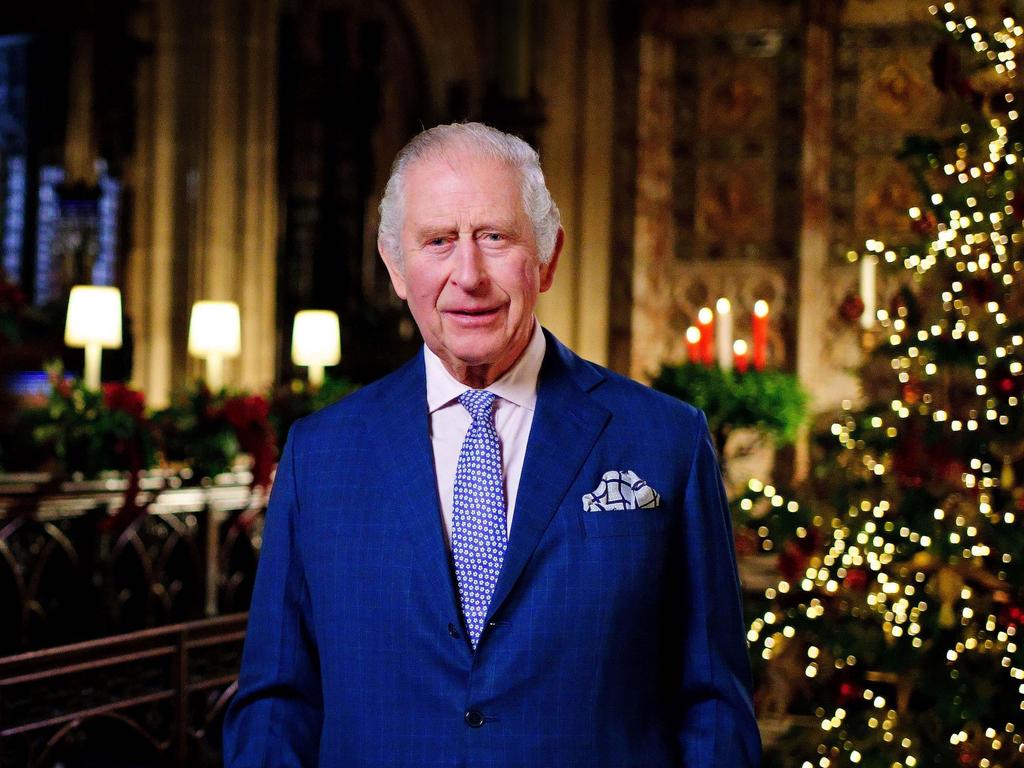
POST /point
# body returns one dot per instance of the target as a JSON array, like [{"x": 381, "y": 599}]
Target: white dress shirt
[{"x": 516, "y": 399}]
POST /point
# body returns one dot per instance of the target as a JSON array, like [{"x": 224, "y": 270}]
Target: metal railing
[{"x": 149, "y": 698}]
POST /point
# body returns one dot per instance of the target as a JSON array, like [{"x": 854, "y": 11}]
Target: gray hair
[{"x": 509, "y": 149}]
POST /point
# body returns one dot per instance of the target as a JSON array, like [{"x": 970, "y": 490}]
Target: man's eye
[
  {"x": 494, "y": 237},
  {"x": 436, "y": 242}
]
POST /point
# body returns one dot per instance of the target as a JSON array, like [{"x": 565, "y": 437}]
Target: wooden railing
[{"x": 150, "y": 698}]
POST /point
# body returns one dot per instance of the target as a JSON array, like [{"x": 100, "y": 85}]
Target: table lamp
[
  {"x": 93, "y": 322},
  {"x": 316, "y": 342},
  {"x": 214, "y": 333}
]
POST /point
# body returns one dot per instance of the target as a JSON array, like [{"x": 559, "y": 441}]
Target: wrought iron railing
[{"x": 144, "y": 699}]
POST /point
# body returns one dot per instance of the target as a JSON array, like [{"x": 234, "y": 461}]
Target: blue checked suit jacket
[{"x": 614, "y": 638}]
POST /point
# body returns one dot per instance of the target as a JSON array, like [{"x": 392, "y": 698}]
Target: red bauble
[
  {"x": 911, "y": 393},
  {"x": 1011, "y": 614},
  {"x": 851, "y": 307},
  {"x": 926, "y": 226},
  {"x": 796, "y": 554},
  {"x": 979, "y": 290},
  {"x": 849, "y": 692},
  {"x": 792, "y": 562},
  {"x": 856, "y": 580},
  {"x": 1017, "y": 206}
]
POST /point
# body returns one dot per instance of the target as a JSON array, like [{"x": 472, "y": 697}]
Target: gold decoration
[{"x": 949, "y": 584}]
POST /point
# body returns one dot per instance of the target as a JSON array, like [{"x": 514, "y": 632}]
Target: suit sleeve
[
  {"x": 718, "y": 728},
  {"x": 276, "y": 715}
]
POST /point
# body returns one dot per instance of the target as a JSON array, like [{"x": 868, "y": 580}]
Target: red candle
[
  {"x": 739, "y": 355},
  {"x": 693, "y": 344},
  {"x": 706, "y": 326},
  {"x": 759, "y": 323}
]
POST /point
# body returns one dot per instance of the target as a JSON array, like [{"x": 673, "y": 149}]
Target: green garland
[{"x": 772, "y": 402}]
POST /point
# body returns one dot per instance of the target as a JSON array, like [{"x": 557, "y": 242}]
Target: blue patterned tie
[{"x": 478, "y": 514}]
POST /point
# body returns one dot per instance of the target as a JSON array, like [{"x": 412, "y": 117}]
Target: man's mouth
[
  {"x": 473, "y": 317},
  {"x": 474, "y": 312}
]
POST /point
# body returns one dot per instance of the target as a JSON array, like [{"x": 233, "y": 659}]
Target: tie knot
[{"x": 479, "y": 403}]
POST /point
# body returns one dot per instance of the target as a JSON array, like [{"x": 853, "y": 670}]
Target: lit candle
[
  {"x": 867, "y": 289},
  {"x": 693, "y": 344},
  {"x": 759, "y": 325},
  {"x": 706, "y": 326},
  {"x": 723, "y": 333},
  {"x": 739, "y": 352}
]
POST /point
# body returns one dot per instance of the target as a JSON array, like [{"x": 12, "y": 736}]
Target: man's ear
[
  {"x": 395, "y": 270},
  {"x": 547, "y": 271}
]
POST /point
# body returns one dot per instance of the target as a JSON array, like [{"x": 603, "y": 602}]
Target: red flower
[
  {"x": 12, "y": 298},
  {"x": 245, "y": 410},
  {"x": 248, "y": 416},
  {"x": 119, "y": 397}
]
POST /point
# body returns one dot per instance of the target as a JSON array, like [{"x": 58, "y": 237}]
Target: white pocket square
[{"x": 621, "y": 489}]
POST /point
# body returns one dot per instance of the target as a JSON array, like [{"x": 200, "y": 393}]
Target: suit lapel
[
  {"x": 403, "y": 432},
  {"x": 566, "y": 424}
]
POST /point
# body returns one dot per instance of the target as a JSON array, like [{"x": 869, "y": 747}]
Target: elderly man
[{"x": 500, "y": 554}]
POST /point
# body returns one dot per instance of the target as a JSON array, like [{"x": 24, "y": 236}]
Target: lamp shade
[
  {"x": 316, "y": 339},
  {"x": 94, "y": 317},
  {"x": 214, "y": 329}
]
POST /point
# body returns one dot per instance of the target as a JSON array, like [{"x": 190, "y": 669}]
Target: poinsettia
[
  {"x": 89, "y": 432},
  {"x": 207, "y": 431}
]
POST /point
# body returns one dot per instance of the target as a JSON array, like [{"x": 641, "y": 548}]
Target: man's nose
[{"x": 469, "y": 272}]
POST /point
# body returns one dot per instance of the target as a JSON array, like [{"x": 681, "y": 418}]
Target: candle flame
[
  {"x": 723, "y": 306},
  {"x": 705, "y": 316},
  {"x": 761, "y": 308},
  {"x": 739, "y": 347},
  {"x": 693, "y": 334}
]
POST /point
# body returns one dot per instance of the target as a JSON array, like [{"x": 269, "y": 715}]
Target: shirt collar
[{"x": 518, "y": 384}]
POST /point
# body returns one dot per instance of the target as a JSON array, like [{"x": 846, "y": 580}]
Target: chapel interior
[{"x": 185, "y": 151}]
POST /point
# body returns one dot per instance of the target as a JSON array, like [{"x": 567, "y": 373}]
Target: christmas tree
[{"x": 897, "y": 624}]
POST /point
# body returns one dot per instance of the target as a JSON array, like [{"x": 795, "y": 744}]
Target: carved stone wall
[
  {"x": 766, "y": 150},
  {"x": 718, "y": 150}
]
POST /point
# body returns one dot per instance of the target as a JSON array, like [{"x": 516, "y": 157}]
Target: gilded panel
[
  {"x": 736, "y": 145},
  {"x": 733, "y": 207},
  {"x": 884, "y": 193},
  {"x": 883, "y": 92}
]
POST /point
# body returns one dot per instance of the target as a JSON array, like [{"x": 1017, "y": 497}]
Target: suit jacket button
[
  {"x": 474, "y": 719},
  {"x": 452, "y": 630}
]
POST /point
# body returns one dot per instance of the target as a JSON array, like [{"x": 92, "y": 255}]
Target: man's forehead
[
  {"x": 442, "y": 189},
  {"x": 458, "y": 159}
]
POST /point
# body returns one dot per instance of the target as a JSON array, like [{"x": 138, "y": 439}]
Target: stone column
[
  {"x": 204, "y": 185},
  {"x": 576, "y": 146},
  {"x": 234, "y": 254},
  {"x": 815, "y": 230},
  {"x": 653, "y": 237},
  {"x": 80, "y": 138},
  {"x": 151, "y": 181},
  {"x": 259, "y": 228}
]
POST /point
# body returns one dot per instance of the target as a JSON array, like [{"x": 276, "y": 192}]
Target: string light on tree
[{"x": 898, "y": 598}]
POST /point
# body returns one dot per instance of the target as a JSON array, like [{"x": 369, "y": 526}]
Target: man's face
[{"x": 471, "y": 275}]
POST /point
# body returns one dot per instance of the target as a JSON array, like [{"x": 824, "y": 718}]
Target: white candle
[
  {"x": 867, "y": 289},
  {"x": 693, "y": 344},
  {"x": 723, "y": 334}
]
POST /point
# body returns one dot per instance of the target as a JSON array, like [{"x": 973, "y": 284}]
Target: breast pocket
[{"x": 625, "y": 522}]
